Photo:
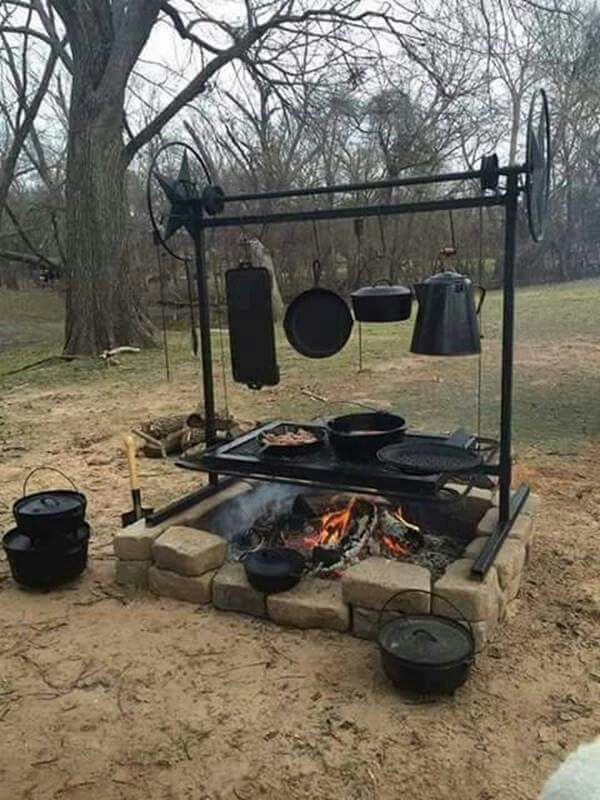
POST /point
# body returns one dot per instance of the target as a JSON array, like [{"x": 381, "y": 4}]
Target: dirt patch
[{"x": 114, "y": 695}]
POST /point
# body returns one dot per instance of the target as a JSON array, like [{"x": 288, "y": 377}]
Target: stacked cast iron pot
[{"x": 49, "y": 544}]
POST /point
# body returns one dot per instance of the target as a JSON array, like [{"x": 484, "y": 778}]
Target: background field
[{"x": 115, "y": 695}]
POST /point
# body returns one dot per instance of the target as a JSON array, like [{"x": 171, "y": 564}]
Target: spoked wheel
[
  {"x": 539, "y": 165},
  {"x": 179, "y": 189}
]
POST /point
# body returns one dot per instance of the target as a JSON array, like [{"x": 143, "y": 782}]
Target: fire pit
[
  {"x": 359, "y": 551},
  {"x": 335, "y": 531}
]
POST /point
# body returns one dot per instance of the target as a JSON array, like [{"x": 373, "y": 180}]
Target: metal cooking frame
[{"x": 506, "y": 197}]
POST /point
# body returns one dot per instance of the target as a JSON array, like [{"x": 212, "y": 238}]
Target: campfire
[{"x": 334, "y": 531}]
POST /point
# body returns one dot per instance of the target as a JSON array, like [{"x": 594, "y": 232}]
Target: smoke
[{"x": 235, "y": 516}]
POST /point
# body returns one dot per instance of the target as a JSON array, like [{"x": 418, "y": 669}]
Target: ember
[{"x": 333, "y": 532}]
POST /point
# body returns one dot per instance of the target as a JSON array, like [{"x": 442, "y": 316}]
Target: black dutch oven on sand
[
  {"x": 382, "y": 302},
  {"x": 274, "y": 569},
  {"x": 46, "y": 563},
  {"x": 49, "y": 546},
  {"x": 426, "y": 653},
  {"x": 363, "y": 434},
  {"x": 50, "y": 513}
]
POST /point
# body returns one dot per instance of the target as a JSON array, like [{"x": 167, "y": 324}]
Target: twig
[{"x": 44, "y": 761}]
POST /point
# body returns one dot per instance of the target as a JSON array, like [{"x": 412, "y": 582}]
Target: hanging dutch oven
[
  {"x": 318, "y": 322},
  {"x": 382, "y": 302},
  {"x": 54, "y": 512},
  {"x": 426, "y": 653}
]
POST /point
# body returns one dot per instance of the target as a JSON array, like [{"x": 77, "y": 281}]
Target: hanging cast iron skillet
[
  {"x": 427, "y": 653},
  {"x": 430, "y": 458},
  {"x": 362, "y": 435},
  {"x": 318, "y": 322},
  {"x": 274, "y": 569},
  {"x": 49, "y": 513},
  {"x": 382, "y": 302}
]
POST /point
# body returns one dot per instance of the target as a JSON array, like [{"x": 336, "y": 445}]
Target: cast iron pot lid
[
  {"x": 55, "y": 503},
  {"x": 383, "y": 290},
  {"x": 427, "y": 640}
]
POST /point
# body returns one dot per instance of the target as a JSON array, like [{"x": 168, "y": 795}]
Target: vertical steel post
[
  {"x": 508, "y": 326},
  {"x": 205, "y": 344}
]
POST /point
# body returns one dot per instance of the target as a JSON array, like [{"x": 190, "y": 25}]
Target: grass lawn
[
  {"x": 557, "y": 368},
  {"x": 115, "y": 694}
]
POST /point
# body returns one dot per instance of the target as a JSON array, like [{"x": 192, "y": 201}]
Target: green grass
[{"x": 557, "y": 370}]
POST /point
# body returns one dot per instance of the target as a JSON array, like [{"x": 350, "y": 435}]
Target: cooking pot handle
[
  {"x": 481, "y": 298},
  {"x": 462, "y": 617},
  {"x": 51, "y": 469},
  {"x": 317, "y": 271},
  {"x": 382, "y": 280}
]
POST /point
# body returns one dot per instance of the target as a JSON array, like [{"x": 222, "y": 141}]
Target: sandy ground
[{"x": 106, "y": 694}]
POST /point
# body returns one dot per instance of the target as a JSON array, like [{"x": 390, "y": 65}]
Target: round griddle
[
  {"x": 430, "y": 458},
  {"x": 318, "y": 322},
  {"x": 539, "y": 165}
]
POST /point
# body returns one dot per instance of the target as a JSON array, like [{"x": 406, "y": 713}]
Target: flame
[
  {"x": 394, "y": 546},
  {"x": 332, "y": 527}
]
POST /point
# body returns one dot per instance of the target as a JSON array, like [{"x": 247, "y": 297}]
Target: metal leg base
[{"x": 486, "y": 558}]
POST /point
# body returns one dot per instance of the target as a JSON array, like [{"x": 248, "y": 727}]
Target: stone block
[
  {"x": 476, "y": 600},
  {"x": 312, "y": 603},
  {"x": 190, "y": 588},
  {"x": 366, "y": 623},
  {"x": 134, "y": 543},
  {"x": 373, "y": 582},
  {"x": 132, "y": 573},
  {"x": 188, "y": 551},
  {"x": 522, "y": 527},
  {"x": 232, "y": 592},
  {"x": 509, "y": 562},
  {"x": 482, "y": 632}
]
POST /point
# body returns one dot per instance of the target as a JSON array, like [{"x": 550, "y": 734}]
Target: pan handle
[
  {"x": 382, "y": 281},
  {"x": 461, "y": 616},
  {"x": 317, "y": 271}
]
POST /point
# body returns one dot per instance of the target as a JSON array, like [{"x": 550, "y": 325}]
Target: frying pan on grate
[{"x": 430, "y": 458}]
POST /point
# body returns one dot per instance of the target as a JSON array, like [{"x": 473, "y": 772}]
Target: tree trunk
[{"x": 102, "y": 309}]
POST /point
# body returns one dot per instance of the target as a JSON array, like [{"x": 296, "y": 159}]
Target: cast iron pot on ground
[
  {"x": 363, "y": 434},
  {"x": 51, "y": 513},
  {"x": 46, "y": 563},
  {"x": 426, "y": 653},
  {"x": 382, "y": 302}
]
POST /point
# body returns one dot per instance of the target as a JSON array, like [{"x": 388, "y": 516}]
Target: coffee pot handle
[{"x": 481, "y": 298}]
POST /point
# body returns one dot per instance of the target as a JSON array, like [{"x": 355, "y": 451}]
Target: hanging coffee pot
[{"x": 447, "y": 323}]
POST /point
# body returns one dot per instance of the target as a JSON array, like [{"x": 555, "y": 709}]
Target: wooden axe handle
[{"x": 130, "y": 450}]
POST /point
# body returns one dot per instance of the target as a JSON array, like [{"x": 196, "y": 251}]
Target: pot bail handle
[
  {"x": 461, "y": 616},
  {"x": 381, "y": 281},
  {"x": 481, "y": 298},
  {"x": 49, "y": 469}
]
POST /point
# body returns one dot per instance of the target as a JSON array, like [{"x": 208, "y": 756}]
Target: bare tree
[{"x": 100, "y": 44}]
